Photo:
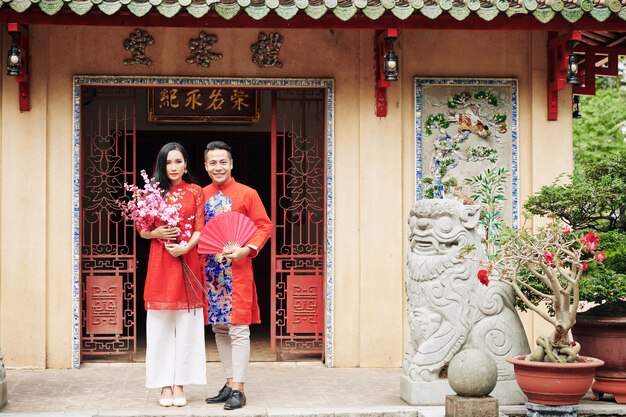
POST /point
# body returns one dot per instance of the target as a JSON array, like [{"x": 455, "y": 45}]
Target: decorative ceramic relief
[
  {"x": 201, "y": 53},
  {"x": 265, "y": 50},
  {"x": 463, "y": 128},
  {"x": 136, "y": 43}
]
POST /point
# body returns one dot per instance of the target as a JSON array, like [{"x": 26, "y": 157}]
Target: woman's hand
[
  {"x": 236, "y": 254},
  {"x": 176, "y": 249},
  {"x": 166, "y": 232}
]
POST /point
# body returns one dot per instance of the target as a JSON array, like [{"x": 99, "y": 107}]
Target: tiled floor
[
  {"x": 274, "y": 389},
  {"x": 120, "y": 388}
]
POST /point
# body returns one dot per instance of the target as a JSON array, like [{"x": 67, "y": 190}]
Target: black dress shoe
[
  {"x": 237, "y": 400},
  {"x": 222, "y": 396}
]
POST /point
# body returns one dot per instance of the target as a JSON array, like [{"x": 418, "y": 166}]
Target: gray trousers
[{"x": 233, "y": 346}]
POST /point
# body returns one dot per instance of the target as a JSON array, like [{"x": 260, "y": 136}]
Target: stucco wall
[{"x": 374, "y": 165}]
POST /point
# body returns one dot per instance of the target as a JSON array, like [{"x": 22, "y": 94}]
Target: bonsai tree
[
  {"x": 595, "y": 199},
  {"x": 544, "y": 266}
]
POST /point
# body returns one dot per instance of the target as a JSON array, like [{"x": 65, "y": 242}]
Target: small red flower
[
  {"x": 548, "y": 258},
  {"x": 590, "y": 240},
  {"x": 584, "y": 265},
  {"x": 567, "y": 230},
  {"x": 600, "y": 256},
  {"x": 483, "y": 276}
]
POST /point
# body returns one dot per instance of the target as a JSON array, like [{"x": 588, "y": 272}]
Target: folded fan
[{"x": 227, "y": 230}]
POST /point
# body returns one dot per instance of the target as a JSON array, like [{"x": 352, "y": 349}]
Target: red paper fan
[{"x": 224, "y": 231}]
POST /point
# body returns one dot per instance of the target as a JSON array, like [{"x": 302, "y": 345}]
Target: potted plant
[
  {"x": 595, "y": 199},
  {"x": 545, "y": 267}
]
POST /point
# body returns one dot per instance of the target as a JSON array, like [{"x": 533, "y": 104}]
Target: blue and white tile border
[
  {"x": 267, "y": 83},
  {"x": 512, "y": 83}
]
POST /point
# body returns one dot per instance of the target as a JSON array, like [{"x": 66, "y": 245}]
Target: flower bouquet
[{"x": 149, "y": 208}]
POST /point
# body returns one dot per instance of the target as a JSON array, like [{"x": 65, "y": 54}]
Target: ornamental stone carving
[
  {"x": 265, "y": 50},
  {"x": 136, "y": 43},
  {"x": 448, "y": 308},
  {"x": 201, "y": 53}
]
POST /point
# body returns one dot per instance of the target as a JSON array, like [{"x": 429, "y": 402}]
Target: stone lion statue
[{"x": 448, "y": 308}]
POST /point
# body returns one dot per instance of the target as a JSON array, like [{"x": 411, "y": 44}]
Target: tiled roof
[{"x": 543, "y": 10}]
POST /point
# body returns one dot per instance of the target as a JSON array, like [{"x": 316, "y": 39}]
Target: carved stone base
[
  {"x": 3, "y": 393},
  {"x": 540, "y": 410},
  {"x": 435, "y": 392},
  {"x": 457, "y": 406},
  {"x": 3, "y": 381}
]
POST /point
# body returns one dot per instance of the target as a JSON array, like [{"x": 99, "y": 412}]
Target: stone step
[{"x": 584, "y": 410}]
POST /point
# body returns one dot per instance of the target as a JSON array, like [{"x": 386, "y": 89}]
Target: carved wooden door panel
[
  {"x": 298, "y": 213},
  {"x": 107, "y": 241}
]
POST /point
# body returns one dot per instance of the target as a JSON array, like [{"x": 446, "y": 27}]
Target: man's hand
[{"x": 236, "y": 254}]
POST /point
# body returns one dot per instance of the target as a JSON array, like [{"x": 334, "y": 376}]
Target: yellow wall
[{"x": 374, "y": 165}]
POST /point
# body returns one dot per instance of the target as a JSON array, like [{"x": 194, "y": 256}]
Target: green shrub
[{"x": 594, "y": 199}]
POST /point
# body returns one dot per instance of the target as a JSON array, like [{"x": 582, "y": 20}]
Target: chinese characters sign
[{"x": 212, "y": 104}]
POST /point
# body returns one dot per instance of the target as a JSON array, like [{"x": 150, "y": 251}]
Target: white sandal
[
  {"x": 179, "y": 401},
  {"x": 166, "y": 402}
]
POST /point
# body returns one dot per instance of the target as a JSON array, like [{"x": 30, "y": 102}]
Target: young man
[{"x": 232, "y": 294}]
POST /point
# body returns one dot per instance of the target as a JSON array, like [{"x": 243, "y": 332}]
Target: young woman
[{"x": 174, "y": 292}]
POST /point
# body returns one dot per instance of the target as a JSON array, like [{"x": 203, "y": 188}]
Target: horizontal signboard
[{"x": 207, "y": 104}]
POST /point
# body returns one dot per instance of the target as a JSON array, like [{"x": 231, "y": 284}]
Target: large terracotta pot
[
  {"x": 555, "y": 383},
  {"x": 605, "y": 338}
]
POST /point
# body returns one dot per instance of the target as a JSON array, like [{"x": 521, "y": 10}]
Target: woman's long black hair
[{"x": 160, "y": 170}]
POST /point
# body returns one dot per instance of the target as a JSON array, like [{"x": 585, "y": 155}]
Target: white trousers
[
  {"x": 233, "y": 346},
  {"x": 175, "y": 351}
]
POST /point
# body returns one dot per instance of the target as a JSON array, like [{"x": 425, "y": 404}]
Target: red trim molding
[{"x": 595, "y": 60}]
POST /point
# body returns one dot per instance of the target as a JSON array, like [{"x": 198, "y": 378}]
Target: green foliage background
[
  {"x": 600, "y": 177},
  {"x": 599, "y": 132}
]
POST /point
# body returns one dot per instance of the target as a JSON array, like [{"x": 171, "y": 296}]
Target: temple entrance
[
  {"x": 282, "y": 156},
  {"x": 251, "y": 155}
]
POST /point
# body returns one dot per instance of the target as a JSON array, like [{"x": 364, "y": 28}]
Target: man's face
[{"x": 218, "y": 165}]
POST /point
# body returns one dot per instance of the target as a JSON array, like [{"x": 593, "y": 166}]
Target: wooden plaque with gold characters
[{"x": 203, "y": 105}]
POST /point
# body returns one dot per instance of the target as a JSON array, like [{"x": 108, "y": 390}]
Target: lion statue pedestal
[
  {"x": 3, "y": 382},
  {"x": 449, "y": 309}
]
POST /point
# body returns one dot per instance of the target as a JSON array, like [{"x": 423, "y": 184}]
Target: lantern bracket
[
  {"x": 381, "y": 47},
  {"x": 20, "y": 32},
  {"x": 558, "y": 56}
]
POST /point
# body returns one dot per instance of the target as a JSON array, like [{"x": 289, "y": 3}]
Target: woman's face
[{"x": 175, "y": 166}]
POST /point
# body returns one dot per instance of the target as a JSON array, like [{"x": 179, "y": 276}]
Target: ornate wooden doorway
[
  {"x": 107, "y": 241},
  {"x": 105, "y": 285},
  {"x": 298, "y": 213}
]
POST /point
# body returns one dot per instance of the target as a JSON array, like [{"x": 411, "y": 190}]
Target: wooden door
[
  {"x": 298, "y": 213},
  {"x": 107, "y": 241}
]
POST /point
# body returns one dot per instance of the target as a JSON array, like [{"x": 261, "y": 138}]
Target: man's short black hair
[{"x": 218, "y": 145}]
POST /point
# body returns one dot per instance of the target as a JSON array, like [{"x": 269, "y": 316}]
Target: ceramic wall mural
[{"x": 466, "y": 142}]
